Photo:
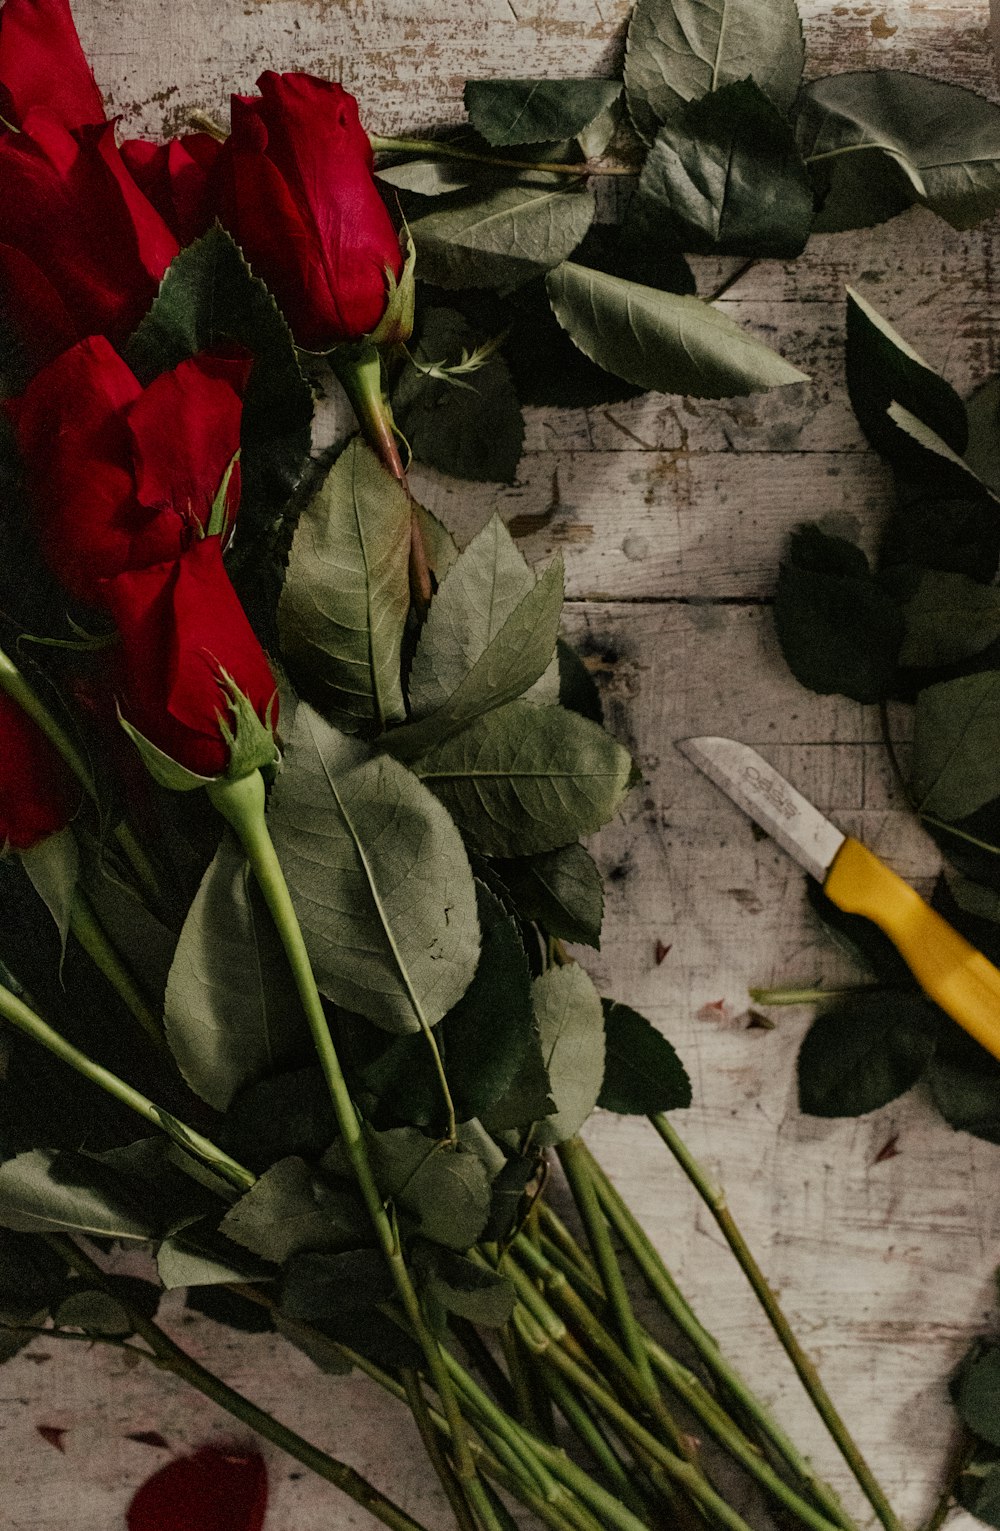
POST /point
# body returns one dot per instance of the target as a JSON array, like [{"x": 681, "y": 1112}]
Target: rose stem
[
  {"x": 359, "y": 369},
  {"x": 714, "y": 1199},
  {"x": 437, "y": 1457},
  {"x": 439, "y": 150},
  {"x": 90, "y": 934},
  {"x": 661, "y": 1283},
  {"x": 681, "y": 1381},
  {"x": 15, "y": 1011},
  {"x": 813, "y": 996},
  {"x": 589, "y": 1432},
  {"x": 169, "y": 1357},
  {"x": 18, "y": 689},
  {"x": 241, "y": 803}
]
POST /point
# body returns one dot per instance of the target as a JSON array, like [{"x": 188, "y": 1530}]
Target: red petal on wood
[
  {"x": 149, "y": 1438},
  {"x": 212, "y": 1490},
  {"x": 53, "y": 1435}
]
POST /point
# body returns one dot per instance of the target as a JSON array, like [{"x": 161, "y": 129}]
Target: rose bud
[
  {"x": 176, "y": 178},
  {"x": 120, "y": 477},
  {"x": 198, "y": 686},
  {"x": 295, "y": 188},
  {"x": 82, "y": 251},
  {"x": 43, "y": 64},
  {"x": 38, "y": 796}
]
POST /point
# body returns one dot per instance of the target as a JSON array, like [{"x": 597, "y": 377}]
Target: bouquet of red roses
[{"x": 294, "y": 789}]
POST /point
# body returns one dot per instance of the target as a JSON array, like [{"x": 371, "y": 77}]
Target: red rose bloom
[
  {"x": 42, "y": 64},
  {"x": 37, "y": 793},
  {"x": 175, "y": 177},
  {"x": 295, "y": 189},
  {"x": 183, "y": 633},
  {"x": 82, "y": 251},
  {"x": 120, "y": 477}
]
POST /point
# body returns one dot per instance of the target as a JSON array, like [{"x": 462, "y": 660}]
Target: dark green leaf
[
  {"x": 560, "y": 889},
  {"x": 439, "y": 544},
  {"x": 925, "y": 457},
  {"x": 525, "y": 779},
  {"x": 659, "y": 340},
  {"x": 319, "y": 1287},
  {"x": 130, "y": 926},
  {"x": 226, "y": 1307},
  {"x": 839, "y": 629},
  {"x": 203, "y": 1260},
  {"x": 863, "y": 1051},
  {"x": 983, "y": 450},
  {"x": 503, "y": 238},
  {"x": 571, "y": 1031},
  {"x": 289, "y": 1211},
  {"x": 346, "y": 595},
  {"x": 53, "y": 865},
  {"x": 577, "y": 688},
  {"x": 473, "y": 428},
  {"x": 977, "y": 1487},
  {"x": 209, "y": 296},
  {"x": 45, "y": 1191},
  {"x": 379, "y": 876},
  {"x": 965, "y": 1086},
  {"x": 976, "y": 1392},
  {"x": 958, "y": 533},
  {"x": 464, "y": 1287},
  {"x": 680, "y": 49},
  {"x": 445, "y": 1188},
  {"x": 725, "y": 177},
  {"x": 956, "y": 746},
  {"x": 536, "y": 111},
  {"x": 942, "y": 143},
  {"x": 277, "y": 1117},
  {"x": 232, "y": 1012},
  {"x": 949, "y": 618},
  {"x": 32, "y": 1276},
  {"x": 96, "y": 1312},
  {"x": 883, "y": 369},
  {"x": 642, "y": 1072}
]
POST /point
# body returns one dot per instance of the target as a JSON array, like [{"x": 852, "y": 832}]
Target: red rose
[
  {"x": 82, "y": 251},
  {"x": 296, "y": 191},
  {"x": 42, "y": 64},
  {"x": 38, "y": 796},
  {"x": 175, "y": 176},
  {"x": 184, "y": 633},
  {"x": 120, "y": 477}
]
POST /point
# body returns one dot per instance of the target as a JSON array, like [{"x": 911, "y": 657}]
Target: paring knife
[{"x": 953, "y": 973}]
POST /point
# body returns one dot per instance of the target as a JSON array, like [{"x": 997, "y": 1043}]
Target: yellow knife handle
[{"x": 953, "y": 973}]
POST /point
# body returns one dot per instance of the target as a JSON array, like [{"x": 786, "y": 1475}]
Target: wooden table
[{"x": 671, "y": 517}]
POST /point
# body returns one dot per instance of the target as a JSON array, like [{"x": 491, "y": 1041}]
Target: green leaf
[
  {"x": 490, "y": 636},
  {"x": 290, "y": 1210},
  {"x": 182, "y": 1263},
  {"x": 642, "y": 1072},
  {"x": 319, "y": 1286},
  {"x": 561, "y": 889},
  {"x": 864, "y": 1051},
  {"x": 346, "y": 595},
  {"x": 577, "y": 688},
  {"x": 571, "y": 1031},
  {"x": 536, "y": 111},
  {"x": 679, "y": 50},
  {"x": 956, "y": 746},
  {"x": 463, "y": 1287},
  {"x": 976, "y": 1391},
  {"x": 983, "y": 451},
  {"x": 959, "y": 533},
  {"x": 839, "y": 629},
  {"x": 977, "y": 1487},
  {"x": 473, "y": 429},
  {"x": 882, "y": 139},
  {"x": 726, "y": 178},
  {"x": 279, "y": 1116},
  {"x": 439, "y": 544},
  {"x": 444, "y": 1187},
  {"x": 503, "y": 238},
  {"x": 659, "y": 340},
  {"x": 127, "y": 922},
  {"x": 32, "y": 1277},
  {"x": 425, "y": 177},
  {"x": 379, "y": 876},
  {"x": 232, "y": 1013},
  {"x": 525, "y": 779},
  {"x": 484, "y": 1037},
  {"x": 964, "y": 1084},
  {"x": 949, "y": 618},
  {"x": 53, "y": 867},
  {"x": 94, "y": 1311},
  {"x": 209, "y": 296},
  {"x": 50, "y": 1191},
  {"x": 883, "y": 369},
  {"x": 932, "y": 459}
]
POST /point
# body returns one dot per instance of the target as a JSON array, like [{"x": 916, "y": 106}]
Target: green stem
[
  {"x": 714, "y": 1199},
  {"x": 241, "y": 803},
  {"x": 807, "y": 996},
  {"x": 520, "y": 1379},
  {"x": 663, "y": 1287},
  {"x": 575, "y": 1167},
  {"x": 90, "y": 934},
  {"x": 15, "y": 1011},
  {"x": 582, "y": 1422},
  {"x": 438, "y": 150},
  {"x": 170, "y": 1357},
  {"x": 438, "y": 1460},
  {"x": 18, "y": 689}
]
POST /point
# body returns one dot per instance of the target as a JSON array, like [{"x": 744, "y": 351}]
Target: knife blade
[{"x": 948, "y": 969}]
